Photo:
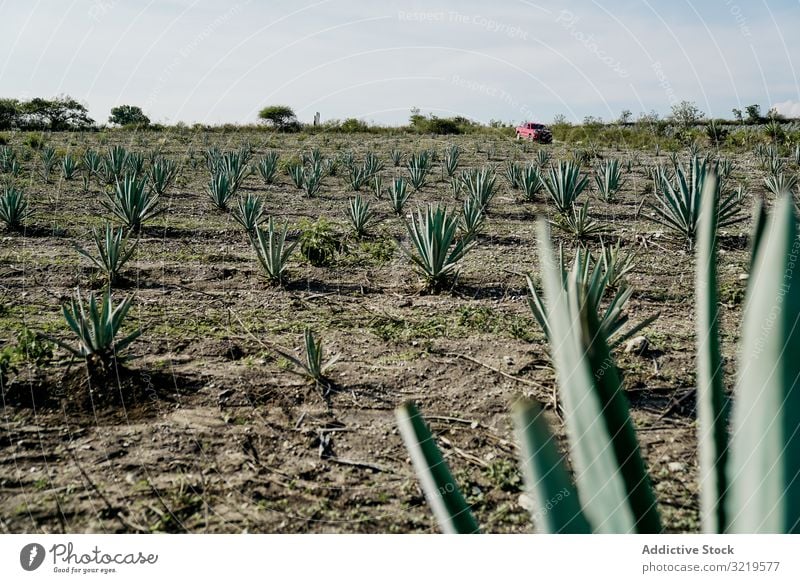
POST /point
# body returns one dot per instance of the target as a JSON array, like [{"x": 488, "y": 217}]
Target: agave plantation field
[{"x": 271, "y": 322}]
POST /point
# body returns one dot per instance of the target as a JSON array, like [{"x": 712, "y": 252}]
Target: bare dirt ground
[{"x": 217, "y": 434}]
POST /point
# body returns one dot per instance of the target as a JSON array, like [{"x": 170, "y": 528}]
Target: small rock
[
  {"x": 508, "y": 360},
  {"x": 676, "y": 467},
  {"x": 637, "y": 345},
  {"x": 527, "y": 503},
  {"x": 743, "y": 276}
]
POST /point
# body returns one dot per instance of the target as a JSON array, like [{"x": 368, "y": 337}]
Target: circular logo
[{"x": 31, "y": 556}]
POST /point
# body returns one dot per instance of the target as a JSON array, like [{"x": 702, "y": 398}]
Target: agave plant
[
  {"x": 596, "y": 283},
  {"x": 69, "y": 167},
  {"x": 396, "y": 156},
  {"x": 436, "y": 251},
  {"x": 456, "y": 186},
  {"x": 249, "y": 212},
  {"x": 398, "y": 195},
  {"x": 134, "y": 164},
  {"x": 360, "y": 215},
  {"x": 611, "y": 491},
  {"x": 780, "y": 183},
  {"x": 372, "y": 164},
  {"x": 312, "y": 366},
  {"x": 272, "y": 251},
  {"x": 452, "y": 154},
  {"x": 7, "y": 158},
  {"x": 220, "y": 190},
  {"x": 297, "y": 173},
  {"x": 96, "y": 328},
  {"x": 532, "y": 182},
  {"x": 565, "y": 183},
  {"x": 14, "y": 209},
  {"x": 161, "y": 174},
  {"x": 513, "y": 173},
  {"x": 579, "y": 222},
  {"x": 616, "y": 264},
  {"x": 679, "y": 200},
  {"x": 480, "y": 184},
  {"x": 132, "y": 203},
  {"x": 418, "y": 167},
  {"x": 112, "y": 251},
  {"x": 115, "y": 163},
  {"x": 48, "y": 159},
  {"x": 609, "y": 180},
  {"x": 92, "y": 162},
  {"x": 542, "y": 158},
  {"x": 357, "y": 176},
  {"x": 472, "y": 216},
  {"x": 312, "y": 179},
  {"x": 377, "y": 186},
  {"x": 267, "y": 167}
]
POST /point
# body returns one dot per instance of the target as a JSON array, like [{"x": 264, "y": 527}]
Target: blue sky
[{"x": 215, "y": 62}]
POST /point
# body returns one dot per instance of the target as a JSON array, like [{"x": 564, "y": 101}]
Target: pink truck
[{"x": 534, "y": 131}]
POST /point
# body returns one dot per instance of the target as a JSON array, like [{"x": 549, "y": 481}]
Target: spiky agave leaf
[
  {"x": 267, "y": 167},
  {"x": 312, "y": 365},
  {"x": 579, "y": 223},
  {"x": 272, "y": 251},
  {"x": 398, "y": 195},
  {"x": 162, "y": 173},
  {"x": 547, "y": 481},
  {"x": 564, "y": 183},
  {"x": 480, "y": 184},
  {"x": 69, "y": 167},
  {"x": 472, "y": 216},
  {"x": 132, "y": 203},
  {"x": 779, "y": 183},
  {"x": 593, "y": 279},
  {"x": 249, "y": 212},
  {"x": 712, "y": 403},
  {"x": 441, "y": 490},
  {"x": 436, "y": 252},
  {"x": 452, "y": 155},
  {"x": 608, "y": 178},
  {"x": 96, "y": 327},
  {"x": 612, "y": 481},
  {"x": 220, "y": 190},
  {"x": 360, "y": 215},
  {"x": 112, "y": 251},
  {"x": 764, "y": 467},
  {"x": 532, "y": 182},
  {"x": 679, "y": 200},
  {"x": 14, "y": 208}
]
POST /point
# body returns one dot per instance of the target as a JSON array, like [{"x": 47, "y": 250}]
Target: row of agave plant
[
  {"x": 748, "y": 446},
  {"x": 439, "y": 238},
  {"x": 134, "y": 187}
]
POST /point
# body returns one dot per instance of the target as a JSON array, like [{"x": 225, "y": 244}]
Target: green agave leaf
[
  {"x": 765, "y": 452},
  {"x": 557, "y": 509},
  {"x": 445, "y": 499},
  {"x": 712, "y": 405},
  {"x": 614, "y": 487}
]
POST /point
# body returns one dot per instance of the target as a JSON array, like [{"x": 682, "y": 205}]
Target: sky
[{"x": 511, "y": 60}]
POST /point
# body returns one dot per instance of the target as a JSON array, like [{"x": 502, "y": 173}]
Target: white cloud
[{"x": 788, "y": 108}]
